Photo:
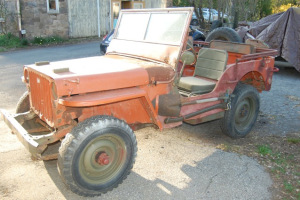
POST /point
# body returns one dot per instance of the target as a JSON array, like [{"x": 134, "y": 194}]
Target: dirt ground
[{"x": 279, "y": 155}]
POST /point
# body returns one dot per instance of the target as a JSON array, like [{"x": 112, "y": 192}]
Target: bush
[
  {"x": 24, "y": 42},
  {"x": 37, "y": 40}
]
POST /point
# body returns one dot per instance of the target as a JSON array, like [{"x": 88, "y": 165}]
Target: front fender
[
  {"x": 129, "y": 104},
  {"x": 101, "y": 98}
]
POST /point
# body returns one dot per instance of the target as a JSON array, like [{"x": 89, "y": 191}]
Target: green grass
[
  {"x": 289, "y": 187},
  {"x": 293, "y": 140},
  {"x": 264, "y": 149},
  {"x": 9, "y": 41},
  {"x": 283, "y": 163}
]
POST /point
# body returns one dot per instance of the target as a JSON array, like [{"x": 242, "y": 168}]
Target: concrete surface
[
  {"x": 280, "y": 108},
  {"x": 173, "y": 164},
  {"x": 11, "y": 66}
]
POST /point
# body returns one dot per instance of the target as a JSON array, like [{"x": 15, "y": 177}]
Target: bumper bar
[{"x": 26, "y": 139}]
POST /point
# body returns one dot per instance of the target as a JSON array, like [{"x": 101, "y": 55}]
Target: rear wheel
[
  {"x": 97, "y": 155},
  {"x": 239, "y": 120}
]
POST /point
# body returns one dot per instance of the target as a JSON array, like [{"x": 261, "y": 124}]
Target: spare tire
[
  {"x": 224, "y": 33},
  {"x": 216, "y": 24}
]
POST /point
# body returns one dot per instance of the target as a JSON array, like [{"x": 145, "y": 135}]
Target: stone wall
[
  {"x": 39, "y": 23},
  {"x": 9, "y": 17}
]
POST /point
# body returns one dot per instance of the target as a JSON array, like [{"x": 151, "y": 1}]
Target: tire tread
[
  {"x": 225, "y": 32},
  {"x": 74, "y": 139},
  {"x": 226, "y": 122}
]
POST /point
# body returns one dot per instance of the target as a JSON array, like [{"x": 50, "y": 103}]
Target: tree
[
  {"x": 181, "y": 3},
  {"x": 239, "y": 10},
  {"x": 264, "y": 7},
  {"x": 198, "y": 5}
]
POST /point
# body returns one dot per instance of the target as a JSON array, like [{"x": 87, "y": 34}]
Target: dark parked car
[
  {"x": 196, "y": 34},
  {"x": 105, "y": 42}
]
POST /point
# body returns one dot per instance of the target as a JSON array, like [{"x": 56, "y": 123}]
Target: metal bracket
[{"x": 228, "y": 106}]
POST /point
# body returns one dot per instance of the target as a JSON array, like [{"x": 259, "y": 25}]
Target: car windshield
[{"x": 166, "y": 28}]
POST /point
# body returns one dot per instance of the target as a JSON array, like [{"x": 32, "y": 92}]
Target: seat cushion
[
  {"x": 211, "y": 63},
  {"x": 196, "y": 84}
]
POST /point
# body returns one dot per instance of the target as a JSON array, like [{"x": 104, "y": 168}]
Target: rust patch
[
  {"x": 255, "y": 79},
  {"x": 160, "y": 73}
]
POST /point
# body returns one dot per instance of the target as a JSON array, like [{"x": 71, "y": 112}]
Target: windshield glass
[
  {"x": 133, "y": 26},
  {"x": 164, "y": 28}
]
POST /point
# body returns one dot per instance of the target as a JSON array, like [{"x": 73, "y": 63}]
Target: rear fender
[
  {"x": 255, "y": 79},
  {"x": 256, "y": 72}
]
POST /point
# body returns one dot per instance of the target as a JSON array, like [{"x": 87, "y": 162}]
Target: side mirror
[{"x": 188, "y": 58}]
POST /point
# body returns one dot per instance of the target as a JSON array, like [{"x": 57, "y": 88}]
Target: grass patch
[
  {"x": 264, "y": 149},
  {"x": 48, "y": 40},
  {"x": 283, "y": 165},
  {"x": 294, "y": 140},
  {"x": 9, "y": 41},
  {"x": 288, "y": 187}
]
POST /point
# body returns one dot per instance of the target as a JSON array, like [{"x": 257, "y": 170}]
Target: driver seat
[{"x": 208, "y": 70}]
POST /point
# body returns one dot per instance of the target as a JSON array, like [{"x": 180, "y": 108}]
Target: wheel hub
[
  {"x": 244, "y": 111},
  {"x": 102, "y": 158}
]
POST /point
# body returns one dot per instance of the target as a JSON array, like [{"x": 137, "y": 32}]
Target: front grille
[{"x": 41, "y": 98}]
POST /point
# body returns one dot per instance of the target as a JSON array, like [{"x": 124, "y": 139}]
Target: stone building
[{"x": 73, "y": 18}]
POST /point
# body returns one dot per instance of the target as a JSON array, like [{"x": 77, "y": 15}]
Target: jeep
[{"x": 83, "y": 112}]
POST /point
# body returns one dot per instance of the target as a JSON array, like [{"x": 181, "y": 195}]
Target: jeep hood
[{"x": 99, "y": 73}]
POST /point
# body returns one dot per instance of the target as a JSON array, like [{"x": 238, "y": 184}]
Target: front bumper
[{"x": 30, "y": 142}]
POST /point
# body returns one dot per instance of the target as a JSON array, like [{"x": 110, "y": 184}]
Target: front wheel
[
  {"x": 97, "y": 155},
  {"x": 239, "y": 120}
]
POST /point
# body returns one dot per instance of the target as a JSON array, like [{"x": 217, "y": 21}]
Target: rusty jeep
[{"x": 83, "y": 112}]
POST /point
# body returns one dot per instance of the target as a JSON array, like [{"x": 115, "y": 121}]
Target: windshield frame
[{"x": 187, "y": 11}]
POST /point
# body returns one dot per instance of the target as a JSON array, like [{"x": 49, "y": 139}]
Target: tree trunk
[
  {"x": 198, "y": 12},
  {"x": 236, "y": 14}
]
